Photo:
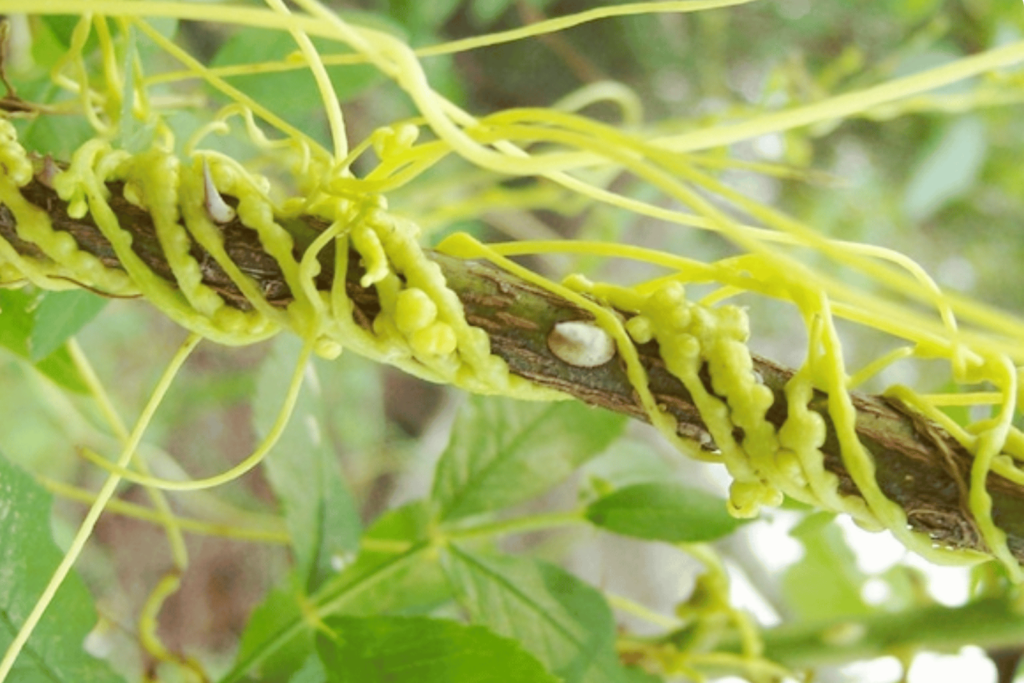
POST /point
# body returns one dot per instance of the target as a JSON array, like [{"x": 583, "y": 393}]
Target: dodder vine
[
  {"x": 919, "y": 465},
  {"x": 209, "y": 242}
]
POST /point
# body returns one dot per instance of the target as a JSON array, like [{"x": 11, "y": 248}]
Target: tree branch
[{"x": 918, "y": 465}]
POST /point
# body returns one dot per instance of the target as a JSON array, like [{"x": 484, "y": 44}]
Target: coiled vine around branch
[{"x": 211, "y": 243}]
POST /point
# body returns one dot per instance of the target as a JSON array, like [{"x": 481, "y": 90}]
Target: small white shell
[
  {"x": 581, "y": 344},
  {"x": 218, "y": 210}
]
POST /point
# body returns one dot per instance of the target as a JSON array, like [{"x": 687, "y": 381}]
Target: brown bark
[{"x": 919, "y": 465}]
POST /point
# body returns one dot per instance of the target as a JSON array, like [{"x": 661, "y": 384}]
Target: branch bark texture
[{"x": 919, "y": 465}]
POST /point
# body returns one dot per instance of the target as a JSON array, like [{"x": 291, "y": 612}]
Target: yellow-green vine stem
[
  {"x": 96, "y": 509},
  {"x": 912, "y": 456}
]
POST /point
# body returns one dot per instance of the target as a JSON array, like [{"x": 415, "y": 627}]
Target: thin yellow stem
[
  {"x": 195, "y": 526},
  {"x": 254, "y": 459},
  {"x": 332, "y": 105},
  {"x": 104, "y": 495},
  {"x": 179, "y": 552},
  {"x": 624, "y": 604}
]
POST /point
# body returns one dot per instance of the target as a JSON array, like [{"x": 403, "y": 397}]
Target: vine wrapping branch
[{"x": 919, "y": 465}]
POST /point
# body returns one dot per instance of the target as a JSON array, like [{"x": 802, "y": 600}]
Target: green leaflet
[
  {"x": 626, "y": 462},
  {"x": 303, "y": 468},
  {"x": 948, "y": 170},
  {"x": 421, "y": 650},
  {"x": 311, "y": 672},
  {"x": 415, "y": 588},
  {"x": 28, "y": 556},
  {"x": 421, "y": 19},
  {"x": 664, "y": 512},
  {"x": 273, "y": 645},
  {"x": 554, "y": 615},
  {"x": 18, "y": 323},
  {"x": 503, "y": 452},
  {"x": 289, "y": 93},
  {"x": 59, "y": 316},
  {"x": 352, "y": 394}
]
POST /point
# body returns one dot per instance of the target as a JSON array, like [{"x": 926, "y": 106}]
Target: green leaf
[
  {"x": 303, "y": 468},
  {"x": 354, "y": 400},
  {"x": 59, "y": 316},
  {"x": 63, "y": 26},
  {"x": 558, "y": 618},
  {"x": 415, "y": 588},
  {"x": 826, "y": 583},
  {"x": 947, "y": 171},
  {"x": 421, "y": 650},
  {"x": 396, "y": 575},
  {"x": 52, "y": 135},
  {"x": 17, "y": 318},
  {"x": 635, "y": 675},
  {"x": 60, "y": 368},
  {"x": 629, "y": 461},
  {"x": 664, "y": 512},
  {"x": 503, "y": 452},
  {"x": 422, "y": 20},
  {"x": 28, "y": 558},
  {"x": 486, "y": 12},
  {"x": 311, "y": 672},
  {"x": 18, "y": 310},
  {"x": 293, "y": 94},
  {"x": 276, "y": 621}
]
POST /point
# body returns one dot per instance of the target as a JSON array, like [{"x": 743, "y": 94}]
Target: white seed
[
  {"x": 216, "y": 207},
  {"x": 581, "y": 344}
]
